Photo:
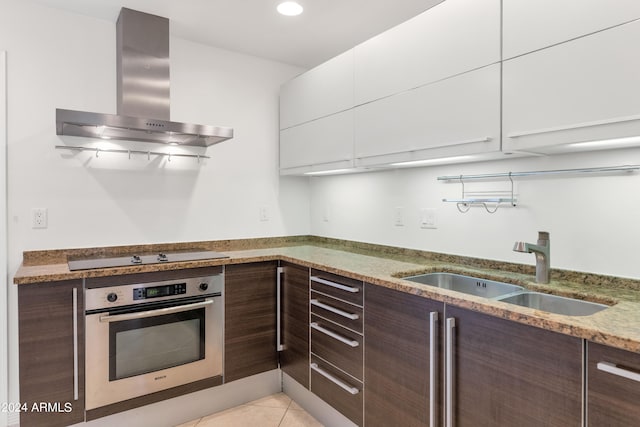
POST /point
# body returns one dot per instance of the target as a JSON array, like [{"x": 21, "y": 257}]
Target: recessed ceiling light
[{"x": 290, "y": 8}]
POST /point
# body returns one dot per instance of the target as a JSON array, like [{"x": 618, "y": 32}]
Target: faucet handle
[{"x": 520, "y": 247}]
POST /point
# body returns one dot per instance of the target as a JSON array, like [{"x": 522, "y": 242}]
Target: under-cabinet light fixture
[
  {"x": 432, "y": 161},
  {"x": 606, "y": 143},
  {"x": 330, "y": 172},
  {"x": 290, "y": 8}
]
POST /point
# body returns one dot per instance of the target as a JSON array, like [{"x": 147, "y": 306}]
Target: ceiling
[{"x": 325, "y": 29}]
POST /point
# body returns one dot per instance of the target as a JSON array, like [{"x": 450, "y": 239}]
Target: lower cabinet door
[
  {"x": 340, "y": 390},
  {"x": 294, "y": 357},
  {"x": 51, "y": 322},
  {"x": 250, "y": 320},
  {"x": 504, "y": 373},
  {"x": 402, "y": 359},
  {"x": 613, "y": 390}
]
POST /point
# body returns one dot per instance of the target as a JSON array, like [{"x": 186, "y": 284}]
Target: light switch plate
[
  {"x": 398, "y": 216},
  {"x": 428, "y": 218}
]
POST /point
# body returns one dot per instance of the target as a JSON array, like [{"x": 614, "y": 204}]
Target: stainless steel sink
[
  {"x": 466, "y": 284},
  {"x": 554, "y": 304}
]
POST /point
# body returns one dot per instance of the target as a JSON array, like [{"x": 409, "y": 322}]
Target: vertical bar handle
[
  {"x": 75, "y": 343},
  {"x": 451, "y": 324},
  {"x": 279, "y": 345},
  {"x": 433, "y": 367}
]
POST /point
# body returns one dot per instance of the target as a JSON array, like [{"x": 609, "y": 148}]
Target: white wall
[
  {"x": 593, "y": 220},
  {"x": 64, "y": 60}
]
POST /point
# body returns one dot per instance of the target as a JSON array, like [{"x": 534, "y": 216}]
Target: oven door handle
[{"x": 152, "y": 313}]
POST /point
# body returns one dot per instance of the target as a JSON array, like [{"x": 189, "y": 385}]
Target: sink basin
[
  {"x": 466, "y": 284},
  {"x": 554, "y": 304}
]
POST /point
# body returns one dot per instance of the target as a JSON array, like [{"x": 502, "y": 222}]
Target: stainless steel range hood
[{"x": 143, "y": 92}]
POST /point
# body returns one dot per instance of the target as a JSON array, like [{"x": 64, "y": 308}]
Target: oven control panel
[
  {"x": 123, "y": 295},
  {"x": 159, "y": 291}
]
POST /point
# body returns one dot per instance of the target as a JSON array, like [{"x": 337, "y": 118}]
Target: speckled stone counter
[{"x": 617, "y": 326}]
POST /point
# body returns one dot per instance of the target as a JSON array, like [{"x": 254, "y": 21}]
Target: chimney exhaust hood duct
[{"x": 143, "y": 92}]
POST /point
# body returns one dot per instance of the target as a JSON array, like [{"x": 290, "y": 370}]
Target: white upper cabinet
[
  {"x": 453, "y": 117},
  {"x": 450, "y": 38},
  {"x": 318, "y": 145},
  {"x": 587, "y": 89},
  {"x": 535, "y": 24},
  {"x": 321, "y": 91}
]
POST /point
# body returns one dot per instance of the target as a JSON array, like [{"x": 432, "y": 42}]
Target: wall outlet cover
[{"x": 39, "y": 218}]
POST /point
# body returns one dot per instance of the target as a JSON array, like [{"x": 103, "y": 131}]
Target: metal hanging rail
[
  {"x": 491, "y": 204},
  {"x": 130, "y": 152},
  {"x": 624, "y": 168}
]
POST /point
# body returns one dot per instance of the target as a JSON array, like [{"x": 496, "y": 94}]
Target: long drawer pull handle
[
  {"x": 352, "y": 316},
  {"x": 336, "y": 381},
  {"x": 335, "y": 285},
  {"x": 433, "y": 367},
  {"x": 74, "y": 296},
  {"x": 347, "y": 341},
  {"x": 279, "y": 344},
  {"x": 615, "y": 370},
  {"x": 152, "y": 313},
  {"x": 449, "y": 372}
]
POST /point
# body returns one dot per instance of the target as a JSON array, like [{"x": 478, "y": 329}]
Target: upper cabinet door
[
  {"x": 531, "y": 25},
  {"x": 453, "y": 37},
  {"x": 324, "y": 90},
  {"x": 322, "y": 144},
  {"x": 453, "y": 117},
  {"x": 587, "y": 89}
]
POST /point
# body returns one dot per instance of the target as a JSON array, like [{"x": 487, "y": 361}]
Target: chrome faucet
[{"x": 542, "y": 252}]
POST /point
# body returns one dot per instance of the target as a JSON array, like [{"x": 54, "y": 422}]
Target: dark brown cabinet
[
  {"x": 504, "y": 373},
  {"x": 337, "y": 342},
  {"x": 294, "y": 357},
  {"x": 613, "y": 387},
  {"x": 402, "y": 333},
  {"x": 51, "y": 343},
  {"x": 250, "y": 319}
]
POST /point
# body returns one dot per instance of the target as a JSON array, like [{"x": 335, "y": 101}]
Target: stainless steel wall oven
[{"x": 148, "y": 337}]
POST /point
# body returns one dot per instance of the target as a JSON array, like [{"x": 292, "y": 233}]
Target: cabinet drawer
[
  {"x": 338, "y": 389},
  {"x": 340, "y": 312},
  {"x": 341, "y": 287},
  {"x": 337, "y": 345},
  {"x": 613, "y": 386}
]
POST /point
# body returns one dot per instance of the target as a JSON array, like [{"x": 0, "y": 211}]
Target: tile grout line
[{"x": 285, "y": 411}]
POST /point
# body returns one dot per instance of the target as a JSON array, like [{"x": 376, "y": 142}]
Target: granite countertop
[{"x": 617, "y": 326}]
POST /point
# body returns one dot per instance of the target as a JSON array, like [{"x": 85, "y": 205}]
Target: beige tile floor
[{"x": 277, "y": 410}]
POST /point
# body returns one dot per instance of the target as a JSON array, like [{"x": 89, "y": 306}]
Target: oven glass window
[{"x": 146, "y": 345}]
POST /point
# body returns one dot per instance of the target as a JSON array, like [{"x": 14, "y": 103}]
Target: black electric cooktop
[{"x": 135, "y": 259}]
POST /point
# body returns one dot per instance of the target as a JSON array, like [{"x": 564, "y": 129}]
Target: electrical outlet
[
  {"x": 326, "y": 214},
  {"x": 263, "y": 212},
  {"x": 428, "y": 218},
  {"x": 398, "y": 216},
  {"x": 39, "y": 218}
]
